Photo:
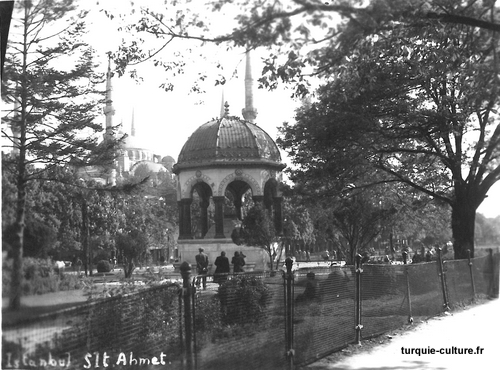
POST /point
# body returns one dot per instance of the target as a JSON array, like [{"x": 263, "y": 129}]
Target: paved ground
[{"x": 476, "y": 326}]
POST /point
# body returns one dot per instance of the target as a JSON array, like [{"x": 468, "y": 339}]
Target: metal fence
[
  {"x": 246, "y": 321},
  {"x": 241, "y": 326},
  {"x": 130, "y": 329}
]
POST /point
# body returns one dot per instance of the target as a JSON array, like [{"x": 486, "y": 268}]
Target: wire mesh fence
[
  {"x": 123, "y": 331},
  {"x": 246, "y": 321},
  {"x": 384, "y": 298},
  {"x": 458, "y": 282},
  {"x": 485, "y": 273},
  {"x": 324, "y": 312},
  {"x": 241, "y": 326},
  {"x": 425, "y": 289}
]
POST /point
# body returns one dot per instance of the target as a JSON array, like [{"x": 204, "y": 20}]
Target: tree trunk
[
  {"x": 128, "y": 268},
  {"x": 270, "y": 254},
  {"x": 463, "y": 216},
  {"x": 85, "y": 234},
  {"x": 17, "y": 246},
  {"x": 18, "y": 243},
  {"x": 351, "y": 256}
]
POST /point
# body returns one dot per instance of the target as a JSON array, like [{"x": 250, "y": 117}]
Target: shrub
[
  {"x": 103, "y": 266},
  {"x": 35, "y": 268},
  {"x": 243, "y": 300},
  {"x": 100, "y": 255},
  {"x": 39, "y": 277},
  {"x": 208, "y": 315}
]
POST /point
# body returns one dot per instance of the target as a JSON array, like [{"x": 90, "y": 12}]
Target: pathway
[{"x": 475, "y": 327}]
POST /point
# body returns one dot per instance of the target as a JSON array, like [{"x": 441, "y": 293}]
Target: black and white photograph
[{"x": 250, "y": 184}]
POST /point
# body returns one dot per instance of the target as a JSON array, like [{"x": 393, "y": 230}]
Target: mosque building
[
  {"x": 226, "y": 165},
  {"x": 134, "y": 152}
]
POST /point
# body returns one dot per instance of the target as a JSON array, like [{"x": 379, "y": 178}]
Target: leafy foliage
[
  {"x": 298, "y": 226},
  {"x": 257, "y": 229},
  {"x": 487, "y": 230},
  {"x": 39, "y": 277},
  {"x": 49, "y": 85},
  {"x": 414, "y": 106},
  {"x": 305, "y": 38},
  {"x": 103, "y": 266},
  {"x": 407, "y": 87},
  {"x": 243, "y": 300},
  {"x": 131, "y": 246}
]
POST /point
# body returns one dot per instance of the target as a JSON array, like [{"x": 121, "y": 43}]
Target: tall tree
[
  {"x": 298, "y": 227},
  {"x": 425, "y": 71},
  {"x": 131, "y": 245},
  {"x": 418, "y": 106},
  {"x": 50, "y": 84},
  {"x": 258, "y": 229},
  {"x": 357, "y": 216}
]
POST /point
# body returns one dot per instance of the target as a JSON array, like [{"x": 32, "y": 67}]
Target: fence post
[
  {"x": 358, "y": 326},
  {"x": 408, "y": 296},
  {"x": 186, "y": 293},
  {"x": 288, "y": 277},
  {"x": 446, "y": 306},
  {"x": 471, "y": 276}
]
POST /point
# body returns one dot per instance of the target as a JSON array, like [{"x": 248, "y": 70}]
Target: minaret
[
  {"x": 132, "y": 126},
  {"x": 249, "y": 112},
  {"x": 222, "y": 110},
  {"x": 109, "y": 110}
]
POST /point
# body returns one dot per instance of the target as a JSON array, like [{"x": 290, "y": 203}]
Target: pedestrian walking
[
  {"x": 222, "y": 268},
  {"x": 202, "y": 268}
]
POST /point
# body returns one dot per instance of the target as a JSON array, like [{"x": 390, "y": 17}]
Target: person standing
[
  {"x": 222, "y": 268},
  {"x": 201, "y": 268},
  {"x": 326, "y": 255},
  {"x": 238, "y": 262},
  {"x": 428, "y": 256},
  {"x": 79, "y": 264},
  {"x": 311, "y": 290}
]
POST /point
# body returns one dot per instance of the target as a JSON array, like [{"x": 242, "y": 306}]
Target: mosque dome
[
  {"x": 149, "y": 167},
  {"x": 168, "y": 159},
  {"x": 229, "y": 141},
  {"x": 133, "y": 142}
]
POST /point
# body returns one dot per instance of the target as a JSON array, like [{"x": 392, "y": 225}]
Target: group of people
[
  {"x": 304, "y": 255},
  {"x": 417, "y": 258},
  {"x": 222, "y": 266}
]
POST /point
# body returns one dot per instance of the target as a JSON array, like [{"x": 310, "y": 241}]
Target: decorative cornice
[{"x": 244, "y": 163}]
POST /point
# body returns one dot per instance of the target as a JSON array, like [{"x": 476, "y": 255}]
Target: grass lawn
[{"x": 36, "y": 305}]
